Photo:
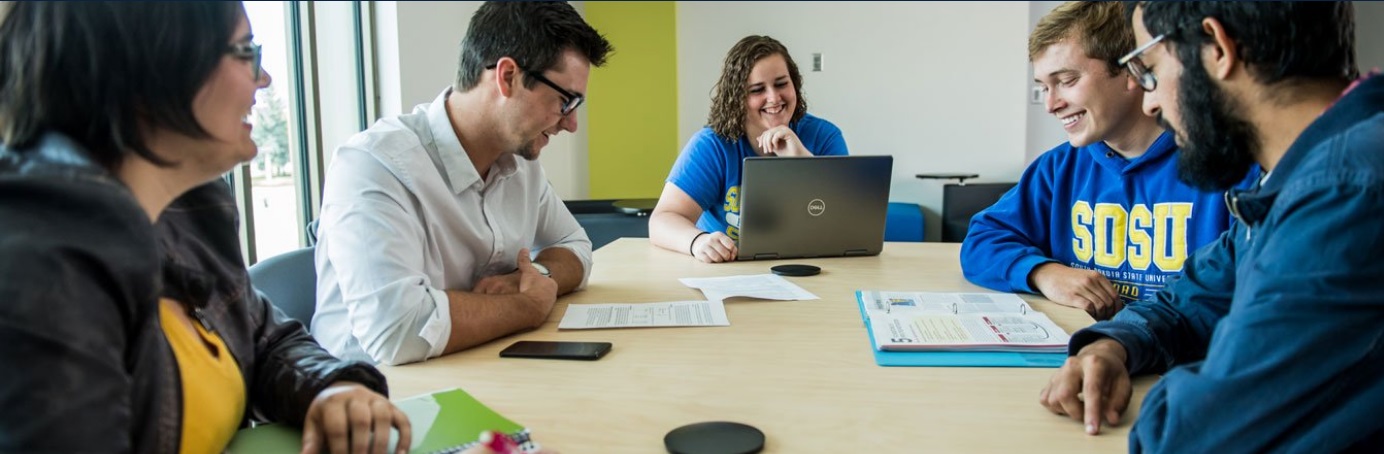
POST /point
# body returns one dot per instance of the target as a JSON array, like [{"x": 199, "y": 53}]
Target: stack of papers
[{"x": 711, "y": 312}]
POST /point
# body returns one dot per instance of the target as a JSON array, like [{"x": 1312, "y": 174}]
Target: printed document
[
  {"x": 762, "y": 286},
  {"x": 674, "y": 313},
  {"x": 921, "y": 321}
]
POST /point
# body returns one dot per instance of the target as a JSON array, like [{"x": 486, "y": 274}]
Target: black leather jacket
[{"x": 84, "y": 365}]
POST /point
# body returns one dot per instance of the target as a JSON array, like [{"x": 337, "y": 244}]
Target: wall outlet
[
  {"x": 816, "y": 62},
  {"x": 1036, "y": 95}
]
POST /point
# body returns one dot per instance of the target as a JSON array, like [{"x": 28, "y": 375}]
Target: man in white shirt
[{"x": 428, "y": 218}]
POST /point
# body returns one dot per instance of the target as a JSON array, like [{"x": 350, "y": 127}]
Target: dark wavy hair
[
  {"x": 1280, "y": 42},
  {"x": 534, "y": 34},
  {"x": 727, "y": 117},
  {"x": 102, "y": 72}
]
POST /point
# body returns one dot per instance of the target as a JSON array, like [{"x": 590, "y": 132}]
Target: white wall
[
  {"x": 1369, "y": 39},
  {"x": 417, "y": 48},
  {"x": 1044, "y": 131},
  {"x": 934, "y": 84}
]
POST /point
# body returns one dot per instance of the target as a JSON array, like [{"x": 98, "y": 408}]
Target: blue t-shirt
[
  {"x": 708, "y": 169},
  {"x": 1090, "y": 208}
]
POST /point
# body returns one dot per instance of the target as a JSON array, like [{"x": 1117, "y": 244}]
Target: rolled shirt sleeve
[{"x": 375, "y": 296}]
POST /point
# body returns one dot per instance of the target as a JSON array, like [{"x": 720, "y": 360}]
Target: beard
[
  {"x": 527, "y": 151},
  {"x": 1219, "y": 145}
]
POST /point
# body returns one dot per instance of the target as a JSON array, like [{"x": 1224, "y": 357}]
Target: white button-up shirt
[{"x": 405, "y": 216}]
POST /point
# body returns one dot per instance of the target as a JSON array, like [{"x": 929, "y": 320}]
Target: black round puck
[
  {"x": 717, "y": 437},
  {"x": 795, "y": 270}
]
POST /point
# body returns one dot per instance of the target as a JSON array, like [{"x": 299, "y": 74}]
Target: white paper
[
  {"x": 672, "y": 313},
  {"x": 762, "y": 286}
]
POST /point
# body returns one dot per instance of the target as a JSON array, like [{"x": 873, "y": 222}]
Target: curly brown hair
[{"x": 727, "y": 117}]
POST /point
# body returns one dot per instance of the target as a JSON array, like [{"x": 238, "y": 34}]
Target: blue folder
[{"x": 956, "y": 359}]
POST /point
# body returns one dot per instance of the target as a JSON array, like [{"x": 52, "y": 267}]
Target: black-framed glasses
[
  {"x": 570, "y": 100},
  {"x": 1137, "y": 70},
  {"x": 251, "y": 52}
]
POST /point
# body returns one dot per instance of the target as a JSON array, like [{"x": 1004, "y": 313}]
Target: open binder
[{"x": 961, "y": 357}]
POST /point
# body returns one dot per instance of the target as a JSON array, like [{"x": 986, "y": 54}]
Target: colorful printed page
[
  {"x": 922, "y": 321},
  {"x": 443, "y": 422}
]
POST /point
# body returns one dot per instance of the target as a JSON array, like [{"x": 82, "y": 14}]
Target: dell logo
[{"x": 816, "y": 207}]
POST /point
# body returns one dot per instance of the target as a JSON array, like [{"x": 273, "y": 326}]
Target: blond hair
[{"x": 1100, "y": 28}]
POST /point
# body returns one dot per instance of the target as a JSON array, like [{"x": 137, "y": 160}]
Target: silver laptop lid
[{"x": 825, "y": 206}]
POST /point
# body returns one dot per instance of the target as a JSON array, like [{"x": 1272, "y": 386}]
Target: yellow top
[{"x": 213, "y": 390}]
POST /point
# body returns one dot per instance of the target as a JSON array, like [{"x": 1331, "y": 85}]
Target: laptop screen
[{"x": 825, "y": 206}]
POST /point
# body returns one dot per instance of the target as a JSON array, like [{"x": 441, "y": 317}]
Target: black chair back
[{"x": 961, "y": 202}]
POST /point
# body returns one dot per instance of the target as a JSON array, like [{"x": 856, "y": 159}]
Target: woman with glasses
[
  {"x": 127, "y": 321},
  {"x": 757, "y": 109}
]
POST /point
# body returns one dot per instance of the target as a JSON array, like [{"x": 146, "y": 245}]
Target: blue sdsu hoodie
[{"x": 1090, "y": 208}]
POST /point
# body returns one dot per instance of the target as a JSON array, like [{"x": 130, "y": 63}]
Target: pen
[{"x": 499, "y": 443}]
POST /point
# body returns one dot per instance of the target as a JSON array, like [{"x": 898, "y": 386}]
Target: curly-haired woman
[{"x": 757, "y": 109}]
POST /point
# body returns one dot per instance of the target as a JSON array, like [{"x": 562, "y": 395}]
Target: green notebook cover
[{"x": 443, "y": 422}]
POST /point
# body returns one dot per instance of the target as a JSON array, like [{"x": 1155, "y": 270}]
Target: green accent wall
[{"x": 632, "y": 112}]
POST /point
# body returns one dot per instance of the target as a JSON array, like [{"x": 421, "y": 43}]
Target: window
[
  {"x": 274, "y": 172},
  {"x": 321, "y": 95}
]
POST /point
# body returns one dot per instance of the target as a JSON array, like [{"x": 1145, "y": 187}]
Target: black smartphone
[{"x": 588, "y": 351}]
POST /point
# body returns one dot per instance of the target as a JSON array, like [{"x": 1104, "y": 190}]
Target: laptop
[{"x": 825, "y": 206}]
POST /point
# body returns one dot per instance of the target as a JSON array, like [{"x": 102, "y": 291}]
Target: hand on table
[
  {"x": 1083, "y": 289},
  {"x": 347, "y": 417},
  {"x": 499, "y": 284},
  {"x": 1091, "y": 385},
  {"x": 714, "y": 247},
  {"x": 539, "y": 291}
]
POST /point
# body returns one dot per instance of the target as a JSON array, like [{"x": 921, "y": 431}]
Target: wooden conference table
[{"x": 800, "y": 371}]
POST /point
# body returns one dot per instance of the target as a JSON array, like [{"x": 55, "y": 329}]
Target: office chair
[
  {"x": 903, "y": 222},
  {"x": 289, "y": 280},
  {"x": 961, "y": 201}
]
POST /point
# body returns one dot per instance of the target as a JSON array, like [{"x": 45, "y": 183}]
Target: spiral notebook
[{"x": 444, "y": 422}]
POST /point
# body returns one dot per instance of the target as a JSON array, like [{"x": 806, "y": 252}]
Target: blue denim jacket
[{"x": 1273, "y": 339}]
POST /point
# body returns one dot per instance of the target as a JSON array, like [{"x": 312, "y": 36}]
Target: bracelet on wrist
[{"x": 692, "y": 247}]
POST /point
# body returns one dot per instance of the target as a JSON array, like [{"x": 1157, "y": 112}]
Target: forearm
[
  {"x": 672, "y": 231},
  {"x": 478, "y": 318},
  {"x": 1000, "y": 260},
  {"x": 567, "y": 270},
  {"x": 1148, "y": 346}
]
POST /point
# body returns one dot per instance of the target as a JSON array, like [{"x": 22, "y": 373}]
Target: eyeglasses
[
  {"x": 570, "y": 100},
  {"x": 1137, "y": 70},
  {"x": 250, "y": 52}
]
